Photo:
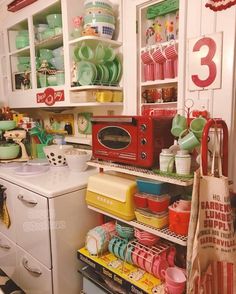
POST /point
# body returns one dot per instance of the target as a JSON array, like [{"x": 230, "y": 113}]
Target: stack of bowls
[
  {"x": 100, "y": 16},
  {"x": 126, "y": 232},
  {"x": 58, "y": 58},
  {"x": 146, "y": 238},
  {"x": 24, "y": 63},
  {"x": 22, "y": 39},
  {"x": 39, "y": 30}
]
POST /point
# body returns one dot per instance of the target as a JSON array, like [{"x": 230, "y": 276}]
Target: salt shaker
[
  {"x": 183, "y": 162},
  {"x": 166, "y": 160}
]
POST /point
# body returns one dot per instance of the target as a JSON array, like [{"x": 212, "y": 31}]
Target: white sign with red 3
[{"x": 204, "y": 62}]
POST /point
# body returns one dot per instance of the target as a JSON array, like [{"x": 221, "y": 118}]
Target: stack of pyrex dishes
[{"x": 100, "y": 16}]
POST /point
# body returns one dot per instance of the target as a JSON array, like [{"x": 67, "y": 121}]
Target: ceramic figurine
[
  {"x": 74, "y": 74},
  {"x": 158, "y": 31},
  {"x": 78, "y": 22},
  {"x": 170, "y": 30},
  {"x": 150, "y": 35}
]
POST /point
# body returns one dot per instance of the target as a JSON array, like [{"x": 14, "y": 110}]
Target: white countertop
[{"x": 54, "y": 182}]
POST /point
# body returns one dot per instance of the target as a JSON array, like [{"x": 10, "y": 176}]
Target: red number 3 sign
[{"x": 205, "y": 62}]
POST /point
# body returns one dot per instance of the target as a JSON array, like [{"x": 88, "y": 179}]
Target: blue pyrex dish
[{"x": 152, "y": 187}]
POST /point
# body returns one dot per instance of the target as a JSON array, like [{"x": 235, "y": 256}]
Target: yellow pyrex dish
[
  {"x": 158, "y": 221},
  {"x": 113, "y": 194}
]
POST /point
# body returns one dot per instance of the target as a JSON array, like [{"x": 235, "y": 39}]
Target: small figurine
[
  {"x": 74, "y": 74},
  {"x": 149, "y": 33},
  {"x": 78, "y": 22},
  {"x": 170, "y": 30},
  {"x": 157, "y": 26}
]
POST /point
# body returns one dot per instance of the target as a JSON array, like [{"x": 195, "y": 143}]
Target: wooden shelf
[
  {"x": 91, "y": 39},
  {"x": 50, "y": 43},
  {"x": 20, "y": 52},
  {"x": 159, "y": 82},
  {"x": 164, "y": 233},
  {"x": 174, "y": 103},
  {"x": 96, "y": 87},
  {"x": 140, "y": 172},
  {"x": 158, "y": 44}
]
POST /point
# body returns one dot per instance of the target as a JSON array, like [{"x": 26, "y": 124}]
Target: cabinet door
[
  {"x": 32, "y": 228},
  {"x": 89, "y": 287},
  {"x": 10, "y": 231},
  {"x": 8, "y": 257},
  {"x": 33, "y": 276}
]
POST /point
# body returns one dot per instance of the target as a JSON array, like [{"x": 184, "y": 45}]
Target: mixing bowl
[
  {"x": 6, "y": 125},
  {"x": 56, "y": 154},
  {"x": 77, "y": 159},
  {"x": 9, "y": 151}
]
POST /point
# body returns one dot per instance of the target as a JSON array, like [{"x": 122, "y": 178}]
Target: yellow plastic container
[
  {"x": 153, "y": 220},
  {"x": 117, "y": 96},
  {"x": 104, "y": 96},
  {"x": 112, "y": 194}
]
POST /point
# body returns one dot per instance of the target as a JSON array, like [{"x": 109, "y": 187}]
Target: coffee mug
[
  {"x": 179, "y": 124},
  {"x": 99, "y": 53},
  {"x": 166, "y": 161},
  {"x": 197, "y": 126},
  {"x": 188, "y": 142},
  {"x": 174, "y": 276},
  {"x": 109, "y": 54}
]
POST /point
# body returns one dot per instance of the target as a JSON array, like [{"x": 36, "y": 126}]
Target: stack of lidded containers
[{"x": 99, "y": 16}]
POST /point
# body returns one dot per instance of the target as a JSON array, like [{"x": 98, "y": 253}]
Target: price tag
[{"x": 204, "y": 62}]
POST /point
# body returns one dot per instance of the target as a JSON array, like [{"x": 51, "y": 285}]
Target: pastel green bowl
[
  {"x": 54, "y": 20},
  {"x": 96, "y": 17},
  {"x": 9, "y": 151},
  {"x": 45, "y": 54},
  {"x": 23, "y": 67},
  {"x": 23, "y": 59},
  {"x": 6, "y": 125},
  {"x": 22, "y": 41},
  {"x": 48, "y": 33}
]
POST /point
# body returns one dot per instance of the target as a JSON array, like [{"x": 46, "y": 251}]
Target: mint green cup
[
  {"x": 189, "y": 141},
  {"x": 179, "y": 124},
  {"x": 197, "y": 126}
]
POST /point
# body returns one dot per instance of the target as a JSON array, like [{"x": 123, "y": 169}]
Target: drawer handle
[
  {"x": 31, "y": 202},
  {"x": 5, "y": 246},
  {"x": 34, "y": 271}
]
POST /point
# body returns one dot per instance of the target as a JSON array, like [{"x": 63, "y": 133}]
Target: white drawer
[
  {"x": 8, "y": 257},
  {"x": 9, "y": 232},
  {"x": 34, "y": 277},
  {"x": 32, "y": 228}
]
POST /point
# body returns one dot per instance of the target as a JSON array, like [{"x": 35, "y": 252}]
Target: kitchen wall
[{"x": 220, "y": 102}]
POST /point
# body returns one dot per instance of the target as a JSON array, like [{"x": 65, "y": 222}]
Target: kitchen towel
[
  {"x": 4, "y": 214},
  {"x": 212, "y": 241}
]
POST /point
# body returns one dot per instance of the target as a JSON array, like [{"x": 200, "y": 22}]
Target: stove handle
[
  {"x": 30, "y": 202},
  {"x": 34, "y": 271},
  {"x": 5, "y": 246}
]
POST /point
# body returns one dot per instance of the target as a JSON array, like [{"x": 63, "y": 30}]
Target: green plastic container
[{"x": 9, "y": 151}]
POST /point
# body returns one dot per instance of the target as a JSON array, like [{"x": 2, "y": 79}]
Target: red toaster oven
[{"x": 135, "y": 140}]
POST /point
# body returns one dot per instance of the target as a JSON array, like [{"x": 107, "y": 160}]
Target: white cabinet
[
  {"x": 156, "y": 85},
  {"x": 28, "y": 81},
  {"x": 38, "y": 250},
  {"x": 8, "y": 257},
  {"x": 34, "y": 277},
  {"x": 32, "y": 226}
]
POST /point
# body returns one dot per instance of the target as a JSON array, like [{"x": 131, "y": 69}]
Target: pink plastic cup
[
  {"x": 174, "y": 289},
  {"x": 171, "y": 51},
  {"x": 169, "y": 69},
  {"x": 158, "y": 55},
  {"x": 148, "y": 72},
  {"x": 174, "y": 277},
  {"x": 158, "y": 71}
]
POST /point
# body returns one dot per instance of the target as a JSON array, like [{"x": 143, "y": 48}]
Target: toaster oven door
[{"x": 114, "y": 142}]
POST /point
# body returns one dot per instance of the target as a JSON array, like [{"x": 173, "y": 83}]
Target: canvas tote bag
[{"x": 211, "y": 251}]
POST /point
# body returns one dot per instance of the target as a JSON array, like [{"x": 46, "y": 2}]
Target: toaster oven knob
[
  {"x": 143, "y": 127},
  {"x": 143, "y": 141},
  {"x": 143, "y": 155}
]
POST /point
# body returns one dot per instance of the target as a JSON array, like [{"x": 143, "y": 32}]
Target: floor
[{"x": 7, "y": 286}]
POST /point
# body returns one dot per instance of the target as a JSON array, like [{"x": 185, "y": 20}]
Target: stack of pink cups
[
  {"x": 175, "y": 280},
  {"x": 171, "y": 64}
]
